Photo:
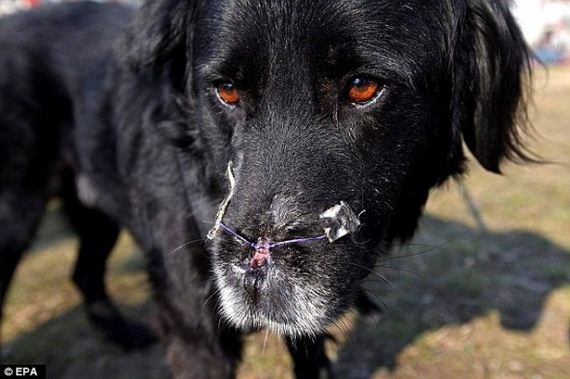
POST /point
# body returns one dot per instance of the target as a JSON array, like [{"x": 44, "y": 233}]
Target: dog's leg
[
  {"x": 98, "y": 234},
  {"x": 206, "y": 357},
  {"x": 20, "y": 213},
  {"x": 309, "y": 357}
]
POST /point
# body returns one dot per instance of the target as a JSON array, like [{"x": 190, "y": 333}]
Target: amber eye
[
  {"x": 228, "y": 93},
  {"x": 362, "y": 90}
]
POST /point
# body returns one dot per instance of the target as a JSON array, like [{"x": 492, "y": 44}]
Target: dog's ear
[
  {"x": 159, "y": 31},
  {"x": 490, "y": 81}
]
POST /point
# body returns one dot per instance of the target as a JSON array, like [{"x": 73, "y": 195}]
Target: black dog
[{"x": 279, "y": 111}]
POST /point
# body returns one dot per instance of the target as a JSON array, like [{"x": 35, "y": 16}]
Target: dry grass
[{"x": 486, "y": 297}]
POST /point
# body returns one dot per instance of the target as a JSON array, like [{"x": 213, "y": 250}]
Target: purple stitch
[
  {"x": 263, "y": 244},
  {"x": 235, "y": 234}
]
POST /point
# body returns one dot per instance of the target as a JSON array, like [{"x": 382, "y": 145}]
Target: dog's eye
[
  {"x": 363, "y": 90},
  {"x": 228, "y": 93}
]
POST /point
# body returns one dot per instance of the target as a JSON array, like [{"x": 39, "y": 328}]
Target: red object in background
[{"x": 32, "y": 3}]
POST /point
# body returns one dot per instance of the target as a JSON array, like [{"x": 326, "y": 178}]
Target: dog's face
[
  {"x": 321, "y": 102},
  {"x": 318, "y": 103}
]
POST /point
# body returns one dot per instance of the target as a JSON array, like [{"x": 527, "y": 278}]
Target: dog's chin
[{"x": 280, "y": 303}]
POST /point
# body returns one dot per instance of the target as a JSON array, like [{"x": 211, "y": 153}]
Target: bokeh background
[{"x": 483, "y": 291}]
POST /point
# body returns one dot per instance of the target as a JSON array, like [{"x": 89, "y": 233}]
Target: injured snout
[{"x": 337, "y": 222}]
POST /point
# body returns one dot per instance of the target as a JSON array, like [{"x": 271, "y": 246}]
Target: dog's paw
[{"x": 129, "y": 334}]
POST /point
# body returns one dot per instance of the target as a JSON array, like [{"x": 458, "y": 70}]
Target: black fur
[{"x": 118, "y": 112}]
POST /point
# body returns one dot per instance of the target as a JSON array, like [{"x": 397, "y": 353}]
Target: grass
[{"x": 474, "y": 298}]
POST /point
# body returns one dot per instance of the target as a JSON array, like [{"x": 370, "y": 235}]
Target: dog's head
[{"x": 365, "y": 102}]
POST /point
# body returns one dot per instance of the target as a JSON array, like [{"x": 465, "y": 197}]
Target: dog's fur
[{"x": 117, "y": 112}]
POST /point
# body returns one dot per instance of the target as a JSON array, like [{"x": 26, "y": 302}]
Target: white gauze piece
[
  {"x": 224, "y": 205},
  {"x": 339, "y": 221}
]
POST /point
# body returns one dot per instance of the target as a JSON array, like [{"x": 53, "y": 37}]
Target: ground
[{"x": 482, "y": 292}]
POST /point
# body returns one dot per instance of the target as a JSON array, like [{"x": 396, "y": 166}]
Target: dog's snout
[
  {"x": 255, "y": 274},
  {"x": 261, "y": 255},
  {"x": 258, "y": 261}
]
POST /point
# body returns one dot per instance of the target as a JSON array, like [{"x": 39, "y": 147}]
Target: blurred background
[{"x": 483, "y": 291}]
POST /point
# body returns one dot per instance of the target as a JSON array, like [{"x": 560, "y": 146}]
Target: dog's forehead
[{"x": 396, "y": 34}]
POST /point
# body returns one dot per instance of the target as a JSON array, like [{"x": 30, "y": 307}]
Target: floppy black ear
[
  {"x": 159, "y": 31},
  {"x": 491, "y": 78}
]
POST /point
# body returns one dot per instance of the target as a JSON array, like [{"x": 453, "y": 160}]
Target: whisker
[
  {"x": 401, "y": 270},
  {"x": 185, "y": 244},
  {"x": 265, "y": 339},
  {"x": 379, "y": 298},
  {"x": 373, "y": 272},
  {"x": 423, "y": 252},
  {"x": 407, "y": 244},
  {"x": 343, "y": 328},
  {"x": 215, "y": 292}
]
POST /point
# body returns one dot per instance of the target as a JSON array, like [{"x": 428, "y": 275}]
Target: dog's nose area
[
  {"x": 257, "y": 267},
  {"x": 261, "y": 254},
  {"x": 259, "y": 260}
]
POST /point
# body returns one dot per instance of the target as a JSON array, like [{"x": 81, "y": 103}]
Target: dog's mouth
[{"x": 261, "y": 292}]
